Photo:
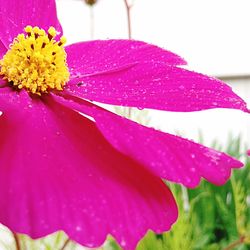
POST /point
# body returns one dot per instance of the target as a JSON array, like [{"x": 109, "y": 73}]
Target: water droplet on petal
[
  {"x": 192, "y": 170},
  {"x": 192, "y": 156},
  {"x": 78, "y": 228},
  {"x": 123, "y": 243}
]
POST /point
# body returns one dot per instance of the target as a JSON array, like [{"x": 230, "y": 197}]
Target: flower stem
[
  {"x": 17, "y": 242},
  {"x": 65, "y": 244},
  {"x": 128, "y": 9},
  {"x": 235, "y": 243}
]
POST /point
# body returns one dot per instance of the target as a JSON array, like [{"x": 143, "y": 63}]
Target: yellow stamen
[{"x": 36, "y": 61}]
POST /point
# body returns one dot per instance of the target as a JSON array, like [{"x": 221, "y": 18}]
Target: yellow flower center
[{"x": 36, "y": 61}]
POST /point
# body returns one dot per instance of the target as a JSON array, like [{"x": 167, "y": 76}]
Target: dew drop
[
  {"x": 192, "y": 170},
  {"x": 123, "y": 243},
  {"x": 78, "y": 229}
]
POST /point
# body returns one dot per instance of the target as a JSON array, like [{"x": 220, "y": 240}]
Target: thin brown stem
[
  {"x": 65, "y": 244},
  {"x": 235, "y": 243},
  {"x": 17, "y": 242},
  {"x": 129, "y": 113},
  {"x": 128, "y": 9}
]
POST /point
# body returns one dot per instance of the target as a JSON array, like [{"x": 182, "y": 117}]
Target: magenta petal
[
  {"x": 12, "y": 101},
  {"x": 170, "y": 157},
  {"x": 58, "y": 172},
  {"x": 2, "y": 50},
  {"x": 109, "y": 55},
  {"x": 157, "y": 86},
  {"x": 15, "y": 15}
]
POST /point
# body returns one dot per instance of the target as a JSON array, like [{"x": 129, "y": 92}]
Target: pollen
[{"x": 36, "y": 61}]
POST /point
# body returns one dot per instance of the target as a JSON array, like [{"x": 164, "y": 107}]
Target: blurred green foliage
[{"x": 210, "y": 217}]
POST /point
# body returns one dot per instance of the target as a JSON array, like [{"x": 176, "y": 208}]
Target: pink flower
[{"x": 94, "y": 173}]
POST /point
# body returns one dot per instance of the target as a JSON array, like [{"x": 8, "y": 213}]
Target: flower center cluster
[{"x": 36, "y": 61}]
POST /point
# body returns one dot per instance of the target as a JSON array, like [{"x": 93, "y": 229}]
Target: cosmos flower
[{"x": 68, "y": 164}]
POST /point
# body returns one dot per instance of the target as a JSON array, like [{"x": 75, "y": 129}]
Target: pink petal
[
  {"x": 2, "y": 50},
  {"x": 15, "y": 15},
  {"x": 59, "y": 173},
  {"x": 93, "y": 57},
  {"x": 170, "y": 157},
  {"x": 12, "y": 101},
  {"x": 158, "y": 86}
]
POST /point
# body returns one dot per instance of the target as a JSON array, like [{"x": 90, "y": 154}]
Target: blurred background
[{"x": 214, "y": 37}]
